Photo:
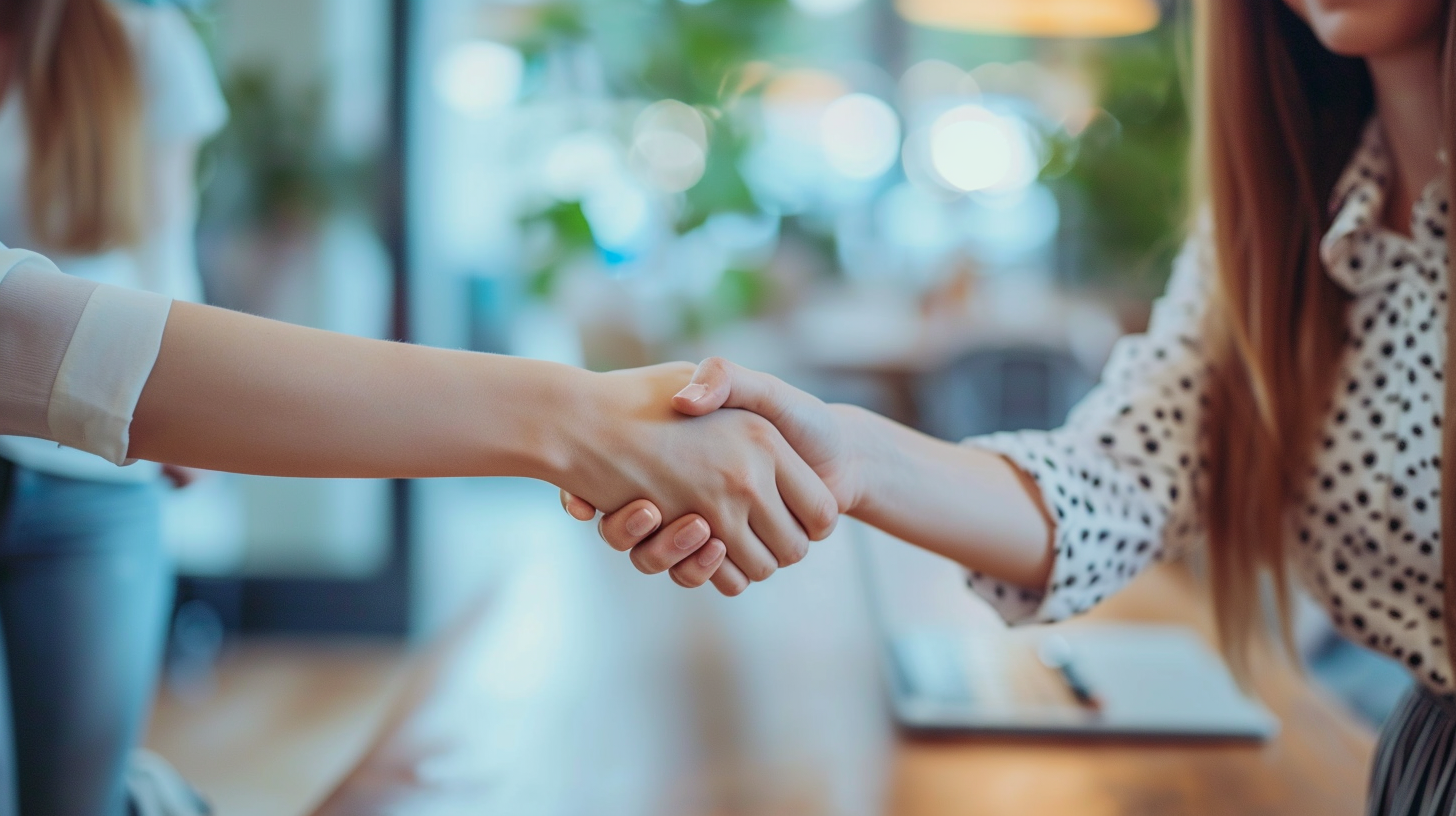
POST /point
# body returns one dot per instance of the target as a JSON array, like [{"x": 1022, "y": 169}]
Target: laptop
[{"x": 951, "y": 666}]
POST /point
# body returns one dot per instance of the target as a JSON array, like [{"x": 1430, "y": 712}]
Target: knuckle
[
  {"x": 685, "y": 580},
  {"x": 647, "y": 562},
  {"x": 734, "y": 587},
  {"x": 759, "y": 569},
  {"x": 680, "y": 368},
  {"x": 715, "y": 364},
  {"x": 794, "y": 552},
  {"x": 739, "y": 482},
  {"x": 825, "y": 519},
  {"x": 616, "y": 539},
  {"x": 760, "y": 431}
]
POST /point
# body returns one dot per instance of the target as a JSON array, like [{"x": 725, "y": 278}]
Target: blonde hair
[
  {"x": 1278, "y": 117},
  {"x": 76, "y": 72}
]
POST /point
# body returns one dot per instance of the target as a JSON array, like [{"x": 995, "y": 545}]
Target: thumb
[
  {"x": 720, "y": 384},
  {"x": 801, "y": 418}
]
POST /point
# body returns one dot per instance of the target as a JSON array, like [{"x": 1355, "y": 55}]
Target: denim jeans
[{"x": 85, "y": 591}]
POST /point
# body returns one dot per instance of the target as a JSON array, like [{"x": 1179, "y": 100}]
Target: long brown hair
[
  {"x": 1279, "y": 116},
  {"x": 74, "y": 67}
]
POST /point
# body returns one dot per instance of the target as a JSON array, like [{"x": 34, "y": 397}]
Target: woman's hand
[
  {"x": 686, "y": 549},
  {"x": 817, "y": 432},
  {"x": 733, "y": 469}
]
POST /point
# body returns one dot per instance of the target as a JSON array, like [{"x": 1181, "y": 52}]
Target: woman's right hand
[{"x": 732, "y": 468}]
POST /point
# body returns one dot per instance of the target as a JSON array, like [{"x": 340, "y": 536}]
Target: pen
[{"x": 1056, "y": 654}]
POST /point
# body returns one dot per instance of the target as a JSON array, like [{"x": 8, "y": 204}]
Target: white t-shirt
[{"x": 183, "y": 104}]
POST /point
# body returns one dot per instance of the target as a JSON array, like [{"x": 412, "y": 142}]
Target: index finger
[{"x": 626, "y": 528}]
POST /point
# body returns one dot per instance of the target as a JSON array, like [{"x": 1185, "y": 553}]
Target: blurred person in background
[
  {"x": 1285, "y": 405},
  {"x": 103, "y": 110}
]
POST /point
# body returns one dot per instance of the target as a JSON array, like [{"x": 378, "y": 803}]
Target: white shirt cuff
[{"x": 104, "y": 369}]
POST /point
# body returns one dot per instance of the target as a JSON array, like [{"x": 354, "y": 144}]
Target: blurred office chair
[{"x": 1000, "y": 389}]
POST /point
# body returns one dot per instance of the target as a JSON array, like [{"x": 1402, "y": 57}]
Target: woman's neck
[{"x": 1408, "y": 101}]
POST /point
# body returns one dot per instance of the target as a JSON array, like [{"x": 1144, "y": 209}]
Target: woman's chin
[{"x": 1367, "y": 30}]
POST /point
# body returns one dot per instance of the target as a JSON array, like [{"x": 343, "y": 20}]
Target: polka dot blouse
[{"x": 1117, "y": 476}]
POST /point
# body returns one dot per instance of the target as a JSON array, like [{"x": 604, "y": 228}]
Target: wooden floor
[{"x": 285, "y": 719}]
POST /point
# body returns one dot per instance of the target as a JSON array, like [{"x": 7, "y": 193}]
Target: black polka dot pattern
[{"x": 1119, "y": 477}]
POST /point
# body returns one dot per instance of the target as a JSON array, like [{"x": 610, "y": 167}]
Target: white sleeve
[
  {"x": 184, "y": 101},
  {"x": 74, "y": 355},
  {"x": 1118, "y": 477}
]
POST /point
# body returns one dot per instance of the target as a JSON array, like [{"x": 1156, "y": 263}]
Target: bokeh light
[
  {"x": 670, "y": 145},
  {"x": 794, "y": 103},
  {"x": 480, "y": 77},
  {"x": 825, "y": 8},
  {"x": 620, "y": 216},
  {"x": 1012, "y": 228},
  {"x": 933, "y": 81},
  {"x": 1044, "y": 18},
  {"x": 861, "y": 136},
  {"x": 971, "y": 154},
  {"x": 580, "y": 163},
  {"x": 973, "y": 149}
]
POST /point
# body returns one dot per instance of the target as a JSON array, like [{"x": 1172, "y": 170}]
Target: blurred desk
[
  {"x": 579, "y": 686},
  {"x": 1318, "y": 763}
]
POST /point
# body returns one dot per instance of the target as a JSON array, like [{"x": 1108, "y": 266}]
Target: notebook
[
  {"x": 950, "y": 667},
  {"x": 1156, "y": 681}
]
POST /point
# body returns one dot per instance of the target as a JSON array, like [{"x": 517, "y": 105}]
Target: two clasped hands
[{"x": 785, "y": 465}]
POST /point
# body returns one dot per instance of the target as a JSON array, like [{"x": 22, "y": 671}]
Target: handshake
[{"x": 743, "y": 471}]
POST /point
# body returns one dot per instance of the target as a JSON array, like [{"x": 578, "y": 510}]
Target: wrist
[
  {"x": 582, "y": 431},
  {"x": 554, "y": 407},
  {"x": 861, "y": 441}
]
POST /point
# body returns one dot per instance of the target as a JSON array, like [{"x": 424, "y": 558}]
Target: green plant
[
  {"x": 568, "y": 237},
  {"x": 1126, "y": 189}
]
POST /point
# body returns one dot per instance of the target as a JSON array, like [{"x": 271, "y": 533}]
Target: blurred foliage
[
  {"x": 553, "y": 23},
  {"x": 1124, "y": 196},
  {"x": 272, "y": 163},
  {"x": 740, "y": 292},
  {"x": 1121, "y": 181},
  {"x": 722, "y": 188},
  {"x": 695, "y": 48},
  {"x": 669, "y": 50},
  {"x": 673, "y": 50},
  {"x": 570, "y": 237}
]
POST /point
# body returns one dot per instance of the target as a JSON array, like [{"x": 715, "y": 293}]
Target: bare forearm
[
  {"x": 239, "y": 393},
  {"x": 964, "y": 503}
]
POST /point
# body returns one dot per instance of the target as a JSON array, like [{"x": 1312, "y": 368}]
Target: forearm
[
  {"x": 240, "y": 393},
  {"x": 967, "y": 504}
]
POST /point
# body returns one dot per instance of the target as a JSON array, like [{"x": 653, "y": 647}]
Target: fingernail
[
  {"x": 691, "y": 535},
  {"x": 640, "y": 523},
  {"x": 707, "y": 556},
  {"x": 693, "y": 392}
]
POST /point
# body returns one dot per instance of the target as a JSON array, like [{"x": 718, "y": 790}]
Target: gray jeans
[{"x": 85, "y": 591}]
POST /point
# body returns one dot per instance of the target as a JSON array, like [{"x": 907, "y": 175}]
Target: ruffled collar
[{"x": 1359, "y": 253}]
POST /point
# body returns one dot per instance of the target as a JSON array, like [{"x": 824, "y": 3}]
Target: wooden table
[
  {"x": 1317, "y": 764},
  {"x": 578, "y": 686}
]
